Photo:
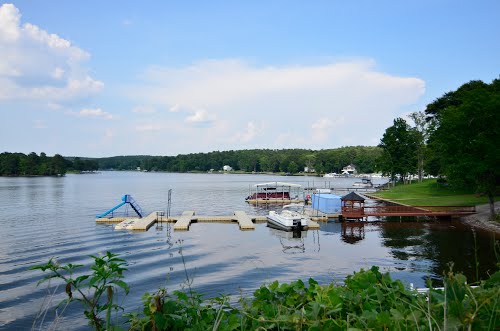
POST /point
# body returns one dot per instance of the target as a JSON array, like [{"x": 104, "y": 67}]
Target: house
[
  {"x": 309, "y": 169},
  {"x": 349, "y": 170}
]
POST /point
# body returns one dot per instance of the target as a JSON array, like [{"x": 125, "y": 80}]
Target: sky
[{"x": 106, "y": 78}]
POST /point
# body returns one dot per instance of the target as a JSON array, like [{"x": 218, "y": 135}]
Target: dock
[
  {"x": 244, "y": 221},
  {"x": 184, "y": 221},
  {"x": 141, "y": 224}
]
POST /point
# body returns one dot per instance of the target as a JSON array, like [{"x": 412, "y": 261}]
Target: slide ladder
[{"x": 127, "y": 198}]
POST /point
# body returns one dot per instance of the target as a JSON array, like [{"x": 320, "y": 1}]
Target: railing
[{"x": 399, "y": 210}]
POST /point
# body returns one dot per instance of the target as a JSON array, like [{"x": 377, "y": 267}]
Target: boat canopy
[{"x": 277, "y": 184}]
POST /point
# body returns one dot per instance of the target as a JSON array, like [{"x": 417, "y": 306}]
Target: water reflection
[
  {"x": 292, "y": 242},
  {"x": 441, "y": 243},
  {"x": 353, "y": 232},
  {"x": 42, "y": 218}
]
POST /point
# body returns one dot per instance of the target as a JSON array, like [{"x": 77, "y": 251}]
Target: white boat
[
  {"x": 365, "y": 182},
  {"x": 289, "y": 219}
]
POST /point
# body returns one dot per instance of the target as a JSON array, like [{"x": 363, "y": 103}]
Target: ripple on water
[{"x": 42, "y": 218}]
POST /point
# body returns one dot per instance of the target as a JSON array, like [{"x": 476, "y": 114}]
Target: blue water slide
[{"x": 127, "y": 198}]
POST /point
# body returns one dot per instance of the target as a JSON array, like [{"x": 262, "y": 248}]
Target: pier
[
  {"x": 401, "y": 210},
  {"x": 142, "y": 224},
  {"x": 184, "y": 221}
]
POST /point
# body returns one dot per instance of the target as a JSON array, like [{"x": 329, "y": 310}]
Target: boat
[
  {"x": 365, "y": 182},
  {"x": 275, "y": 192},
  {"x": 289, "y": 219}
]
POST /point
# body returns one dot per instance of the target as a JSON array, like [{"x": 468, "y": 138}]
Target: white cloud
[
  {"x": 251, "y": 131},
  {"x": 36, "y": 65},
  {"x": 322, "y": 124},
  {"x": 175, "y": 108},
  {"x": 9, "y": 21},
  {"x": 200, "y": 117},
  {"x": 58, "y": 73},
  {"x": 95, "y": 113},
  {"x": 317, "y": 106}
]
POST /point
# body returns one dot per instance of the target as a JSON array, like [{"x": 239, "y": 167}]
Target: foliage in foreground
[{"x": 367, "y": 300}]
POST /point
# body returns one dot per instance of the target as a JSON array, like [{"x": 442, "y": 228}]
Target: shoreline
[{"x": 481, "y": 219}]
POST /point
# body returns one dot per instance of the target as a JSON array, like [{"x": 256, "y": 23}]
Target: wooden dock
[{"x": 403, "y": 210}]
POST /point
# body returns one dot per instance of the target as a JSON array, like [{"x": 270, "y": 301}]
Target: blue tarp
[{"x": 326, "y": 203}]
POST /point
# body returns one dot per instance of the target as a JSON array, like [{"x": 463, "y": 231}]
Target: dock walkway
[
  {"x": 183, "y": 222},
  {"x": 244, "y": 221},
  {"x": 142, "y": 224}
]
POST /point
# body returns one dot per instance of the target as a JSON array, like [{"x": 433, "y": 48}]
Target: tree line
[
  {"x": 19, "y": 164},
  {"x": 256, "y": 160},
  {"x": 455, "y": 137}
]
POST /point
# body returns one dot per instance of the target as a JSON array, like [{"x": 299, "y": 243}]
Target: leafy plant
[
  {"x": 95, "y": 291},
  {"x": 368, "y": 300}
]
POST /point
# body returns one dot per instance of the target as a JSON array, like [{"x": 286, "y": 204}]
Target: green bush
[{"x": 368, "y": 300}]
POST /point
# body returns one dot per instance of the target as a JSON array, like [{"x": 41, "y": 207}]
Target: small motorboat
[
  {"x": 288, "y": 220},
  {"x": 365, "y": 182}
]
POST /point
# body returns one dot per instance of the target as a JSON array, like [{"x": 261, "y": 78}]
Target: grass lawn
[{"x": 430, "y": 193}]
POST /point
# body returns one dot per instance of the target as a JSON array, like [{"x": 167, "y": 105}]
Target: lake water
[{"x": 47, "y": 217}]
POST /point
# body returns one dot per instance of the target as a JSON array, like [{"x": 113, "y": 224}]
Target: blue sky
[{"x": 104, "y": 78}]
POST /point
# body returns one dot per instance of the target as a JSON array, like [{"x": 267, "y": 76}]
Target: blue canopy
[{"x": 327, "y": 203}]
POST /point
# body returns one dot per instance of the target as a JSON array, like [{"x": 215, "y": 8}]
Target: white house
[
  {"x": 349, "y": 170},
  {"x": 309, "y": 169}
]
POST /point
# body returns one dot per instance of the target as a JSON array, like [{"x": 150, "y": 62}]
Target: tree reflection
[{"x": 472, "y": 253}]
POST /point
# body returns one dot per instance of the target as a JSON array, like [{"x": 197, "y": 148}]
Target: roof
[
  {"x": 353, "y": 196},
  {"x": 277, "y": 184},
  {"x": 326, "y": 196}
]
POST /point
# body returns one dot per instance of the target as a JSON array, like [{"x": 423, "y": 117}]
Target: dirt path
[{"x": 481, "y": 218}]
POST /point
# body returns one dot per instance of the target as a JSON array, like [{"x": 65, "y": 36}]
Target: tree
[
  {"x": 293, "y": 167},
  {"x": 465, "y": 140},
  {"x": 59, "y": 165},
  {"x": 421, "y": 131},
  {"x": 399, "y": 144}
]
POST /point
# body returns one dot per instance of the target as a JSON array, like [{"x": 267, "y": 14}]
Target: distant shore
[{"x": 481, "y": 219}]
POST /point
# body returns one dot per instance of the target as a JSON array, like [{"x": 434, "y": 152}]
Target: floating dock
[
  {"x": 183, "y": 222},
  {"x": 141, "y": 224}
]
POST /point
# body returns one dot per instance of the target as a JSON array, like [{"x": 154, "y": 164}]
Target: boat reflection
[{"x": 292, "y": 242}]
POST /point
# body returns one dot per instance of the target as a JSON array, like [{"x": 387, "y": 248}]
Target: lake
[{"x": 44, "y": 217}]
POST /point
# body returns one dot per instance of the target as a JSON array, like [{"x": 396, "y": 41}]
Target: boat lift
[{"x": 126, "y": 199}]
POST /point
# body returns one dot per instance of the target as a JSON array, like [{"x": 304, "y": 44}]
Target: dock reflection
[{"x": 352, "y": 232}]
